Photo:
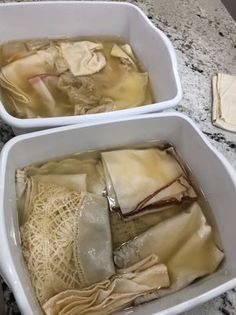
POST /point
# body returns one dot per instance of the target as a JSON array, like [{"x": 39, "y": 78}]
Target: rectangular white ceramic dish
[
  {"x": 70, "y": 18},
  {"x": 212, "y": 171}
]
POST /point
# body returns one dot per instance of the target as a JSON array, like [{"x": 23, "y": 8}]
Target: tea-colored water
[
  {"x": 99, "y": 89},
  {"x": 122, "y": 230}
]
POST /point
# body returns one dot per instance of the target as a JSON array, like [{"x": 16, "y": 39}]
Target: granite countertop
[{"x": 204, "y": 36}]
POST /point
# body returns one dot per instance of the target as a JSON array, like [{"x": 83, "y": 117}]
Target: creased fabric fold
[
  {"x": 112, "y": 295},
  {"x": 139, "y": 178},
  {"x": 184, "y": 242},
  {"x": 84, "y": 57},
  {"x": 224, "y": 100}
]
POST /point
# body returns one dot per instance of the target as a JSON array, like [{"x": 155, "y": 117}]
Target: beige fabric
[
  {"x": 142, "y": 177},
  {"x": 112, "y": 295},
  {"x": 36, "y": 44},
  {"x": 185, "y": 243},
  {"x": 124, "y": 230},
  {"x": 16, "y": 79},
  {"x": 24, "y": 187},
  {"x": 21, "y": 185},
  {"x": 176, "y": 192},
  {"x": 49, "y": 100},
  {"x": 12, "y": 51},
  {"x": 43, "y": 91},
  {"x": 15, "y": 75},
  {"x": 76, "y": 174},
  {"x": 106, "y": 107},
  {"x": 61, "y": 228},
  {"x": 21, "y": 182},
  {"x": 75, "y": 182},
  {"x": 83, "y": 58},
  {"x": 127, "y": 48},
  {"x": 224, "y": 101},
  {"x": 123, "y": 52},
  {"x": 91, "y": 167},
  {"x": 130, "y": 91}
]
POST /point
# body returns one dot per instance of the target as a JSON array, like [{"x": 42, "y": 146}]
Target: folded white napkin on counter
[{"x": 224, "y": 101}]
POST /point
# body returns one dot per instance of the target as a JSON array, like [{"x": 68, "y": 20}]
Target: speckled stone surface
[{"x": 204, "y": 36}]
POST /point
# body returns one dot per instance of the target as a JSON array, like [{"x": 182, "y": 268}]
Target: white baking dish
[
  {"x": 211, "y": 169},
  {"x": 70, "y": 18}
]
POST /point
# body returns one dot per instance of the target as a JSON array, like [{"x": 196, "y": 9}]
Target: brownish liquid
[
  {"x": 121, "y": 230},
  {"x": 100, "y": 88}
]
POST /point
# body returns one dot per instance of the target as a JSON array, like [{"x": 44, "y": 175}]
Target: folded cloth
[
  {"x": 123, "y": 52},
  {"x": 184, "y": 242},
  {"x": 84, "y": 57},
  {"x": 112, "y": 295},
  {"x": 66, "y": 238},
  {"x": 139, "y": 178},
  {"x": 91, "y": 167},
  {"x": 72, "y": 173},
  {"x": 224, "y": 101},
  {"x": 18, "y": 77}
]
